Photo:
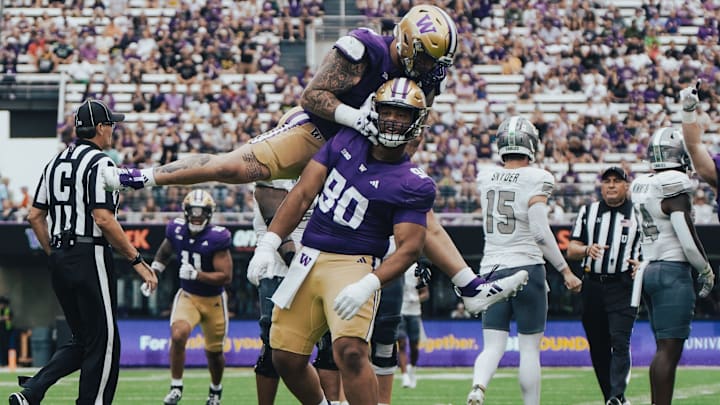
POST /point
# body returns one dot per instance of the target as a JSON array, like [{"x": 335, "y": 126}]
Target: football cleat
[
  {"x": 214, "y": 397},
  {"x": 17, "y": 398},
  {"x": 174, "y": 396},
  {"x": 121, "y": 178},
  {"x": 480, "y": 294},
  {"x": 406, "y": 383},
  {"x": 412, "y": 376},
  {"x": 476, "y": 396}
]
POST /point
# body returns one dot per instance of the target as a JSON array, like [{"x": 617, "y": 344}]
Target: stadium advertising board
[
  {"x": 448, "y": 344},
  {"x": 19, "y": 239}
]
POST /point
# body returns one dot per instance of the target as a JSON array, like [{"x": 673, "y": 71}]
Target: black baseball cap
[
  {"x": 93, "y": 112},
  {"x": 615, "y": 170}
]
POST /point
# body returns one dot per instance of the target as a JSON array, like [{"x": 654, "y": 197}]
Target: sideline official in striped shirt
[
  {"x": 74, "y": 219},
  {"x": 607, "y": 240}
]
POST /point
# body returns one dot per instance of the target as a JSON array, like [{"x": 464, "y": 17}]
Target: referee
[
  {"x": 606, "y": 238},
  {"x": 74, "y": 219}
]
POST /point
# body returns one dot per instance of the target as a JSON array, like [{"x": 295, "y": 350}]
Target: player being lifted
[
  {"x": 422, "y": 48},
  {"x": 203, "y": 251},
  {"x": 510, "y": 196}
]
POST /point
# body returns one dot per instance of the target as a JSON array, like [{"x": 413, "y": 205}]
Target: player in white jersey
[
  {"x": 510, "y": 196},
  {"x": 663, "y": 204},
  {"x": 267, "y": 280}
]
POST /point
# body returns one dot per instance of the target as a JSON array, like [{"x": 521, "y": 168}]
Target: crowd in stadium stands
[{"x": 627, "y": 67}]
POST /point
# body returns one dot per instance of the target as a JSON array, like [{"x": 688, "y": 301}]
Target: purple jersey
[
  {"x": 363, "y": 198},
  {"x": 380, "y": 69},
  {"x": 198, "y": 250}
]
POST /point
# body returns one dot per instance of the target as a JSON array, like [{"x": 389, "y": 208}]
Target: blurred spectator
[{"x": 459, "y": 312}]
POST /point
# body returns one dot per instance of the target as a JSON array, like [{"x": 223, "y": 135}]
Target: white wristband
[
  {"x": 346, "y": 115},
  {"x": 157, "y": 266},
  {"x": 688, "y": 117},
  {"x": 149, "y": 174},
  {"x": 271, "y": 239}
]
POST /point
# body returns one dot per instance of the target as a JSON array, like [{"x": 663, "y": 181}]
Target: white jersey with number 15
[{"x": 504, "y": 195}]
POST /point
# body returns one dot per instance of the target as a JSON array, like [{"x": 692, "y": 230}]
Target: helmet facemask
[
  {"x": 198, "y": 207},
  {"x": 400, "y": 104}
]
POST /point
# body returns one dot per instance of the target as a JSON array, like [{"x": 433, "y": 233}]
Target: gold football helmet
[
  {"x": 427, "y": 30},
  {"x": 401, "y": 107},
  {"x": 198, "y": 206}
]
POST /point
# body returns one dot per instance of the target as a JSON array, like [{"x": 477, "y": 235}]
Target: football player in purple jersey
[
  {"x": 366, "y": 193},
  {"x": 422, "y": 48},
  {"x": 203, "y": 251}
]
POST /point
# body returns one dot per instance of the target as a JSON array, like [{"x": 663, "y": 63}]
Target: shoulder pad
[
  {"x": 674, "y": 183},
  {"x": 179, "y": 221},
  {"x": 219, "y": 229},
  {"x": 351, "y": 47}
]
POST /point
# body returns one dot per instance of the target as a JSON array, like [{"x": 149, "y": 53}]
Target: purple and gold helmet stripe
[
  {"x": 452, "y": 32},
  {"x": 400, "y": 88}
]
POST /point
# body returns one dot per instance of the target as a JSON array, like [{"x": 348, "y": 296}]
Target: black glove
[{"x": 423, "y": 274}]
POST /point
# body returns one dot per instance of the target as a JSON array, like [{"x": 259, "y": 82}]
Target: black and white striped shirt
[
  {"x": 614, "y": 227},
  {"x": 70, "y": 188}
]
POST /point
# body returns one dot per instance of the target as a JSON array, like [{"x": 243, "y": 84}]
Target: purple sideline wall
[{"x": 448, "y": 344}]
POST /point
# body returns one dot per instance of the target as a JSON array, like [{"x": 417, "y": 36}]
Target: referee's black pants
[
  {"x": 84, "y": 283},
  {"x": 608, "y": 320}
]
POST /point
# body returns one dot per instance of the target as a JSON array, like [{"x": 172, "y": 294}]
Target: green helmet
[
  {"x": 517, "y": 135},
  {"x": 667, "y": 150}
]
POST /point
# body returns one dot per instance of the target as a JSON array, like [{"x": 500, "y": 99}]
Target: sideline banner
[{"x": 448, "y": 344}]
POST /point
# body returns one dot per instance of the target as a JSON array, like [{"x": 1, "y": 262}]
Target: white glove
[
  {"x": 706, "y": 280},
  {"x": 689, "y": 98},
  {"x": 145, "y": 289},
  {"x": 188, "y": 272},
  {"x": 363, "y": 119},
  {"x": 263, "y": 258},
  {"x": 349, "y": 301}
]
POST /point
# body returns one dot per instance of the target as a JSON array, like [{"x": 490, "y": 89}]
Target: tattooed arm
[{"x": 336, "y": 75}]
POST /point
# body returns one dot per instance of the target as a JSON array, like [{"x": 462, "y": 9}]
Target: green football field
[{"x": 560, "y": 386}]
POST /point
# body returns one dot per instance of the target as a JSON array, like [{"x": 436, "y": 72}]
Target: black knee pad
[
  {"x": 324, "y": 359},
  {"x": 264, "y": 365},
  {"x": 384, "y": 356}
]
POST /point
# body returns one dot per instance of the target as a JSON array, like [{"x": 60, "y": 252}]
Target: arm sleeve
[
  {"x": 693, "y": 252},
  {"x": 540, "y": 229}
]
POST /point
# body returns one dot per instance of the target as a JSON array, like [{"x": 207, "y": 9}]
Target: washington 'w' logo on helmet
[{"x": 426, "y": 29}]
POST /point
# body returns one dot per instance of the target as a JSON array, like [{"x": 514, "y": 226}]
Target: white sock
[
  {"x": 176, "y": 382},
  {"x": 463, "y": 277},
  {"x": 487, "y": 361},
  {"x": 529, "y": 372},
  {"x": 324, "y": 401},
  {"x": 149, "y": 173},
  {"x": 216, "y": 387}
]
